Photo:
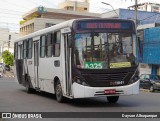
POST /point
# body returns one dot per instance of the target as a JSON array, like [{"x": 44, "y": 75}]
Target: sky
[{"x": 11, "y": 11}]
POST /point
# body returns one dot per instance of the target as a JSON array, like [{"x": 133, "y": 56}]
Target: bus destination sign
[{"x": 83, "y": 25}]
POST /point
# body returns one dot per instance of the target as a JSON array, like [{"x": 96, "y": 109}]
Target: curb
[{"x": 144, "y": 90}]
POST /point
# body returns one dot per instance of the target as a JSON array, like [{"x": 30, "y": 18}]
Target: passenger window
[
  {"x": 42, "y": 46},
  {"x": 25, "y": 49},
  {"x": 49, "y": 45},
  {"x": 29, "y": 49},
  {"x": 56, "y": 44},
  {"x": 16, "y": 50}
]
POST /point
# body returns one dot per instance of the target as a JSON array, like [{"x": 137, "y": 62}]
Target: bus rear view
[{"x": 105, "y": 58}]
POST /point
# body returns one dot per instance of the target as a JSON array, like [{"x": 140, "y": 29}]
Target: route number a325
[{"x": 93, "y": 65}]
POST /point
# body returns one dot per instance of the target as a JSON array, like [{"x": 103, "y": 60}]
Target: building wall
[
  {"x": 150, "y": 7},
  {"x": 151, "y": 46},
  {"x": 143, "y": 16},
  {"x": 27, "y": 27},
  {"x": 74, "y": 6},
  {"x": 4, "y": 34},
  {"x": 40, "y": 23},
  {"x": 4, "y": 37},
  {"x": 51, "y": 17},
  {"x": 6, "y": 42}
]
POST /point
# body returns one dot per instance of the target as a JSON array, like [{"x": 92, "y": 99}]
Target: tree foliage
[{"x": 7, "y": 57}]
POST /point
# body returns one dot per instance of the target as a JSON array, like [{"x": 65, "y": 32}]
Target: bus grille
[{"x": 104, "y": 79}]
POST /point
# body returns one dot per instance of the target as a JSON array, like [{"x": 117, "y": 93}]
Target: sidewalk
[{"x": 8, "y": 74}]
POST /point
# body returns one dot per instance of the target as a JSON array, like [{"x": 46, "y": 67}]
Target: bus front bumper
[{"x": 80, "y": 91}]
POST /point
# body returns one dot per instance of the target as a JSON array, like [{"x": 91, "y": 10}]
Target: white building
[
  {"x": 37, "y": 19},
  {"x": 147, "y": 6},
  {"x": 82, "y": 6},
  {"x": 6, "y": 38}
]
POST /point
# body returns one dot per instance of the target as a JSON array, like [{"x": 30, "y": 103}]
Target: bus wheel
[
  {"x": 112, "y": 99},
  {"x": 28, "y": 88},
  {"x": 58, "y": 91}
]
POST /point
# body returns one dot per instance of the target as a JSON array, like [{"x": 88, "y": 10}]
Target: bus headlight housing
[
  {"x": 80, "y": 81},
  {"x": 135, "y": 77}
]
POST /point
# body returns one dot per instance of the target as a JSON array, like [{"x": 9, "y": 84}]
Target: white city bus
[{"x": 79, "y": 59}]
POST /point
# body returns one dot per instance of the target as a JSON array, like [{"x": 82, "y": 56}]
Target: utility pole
[{"x": 136, "y": 13}]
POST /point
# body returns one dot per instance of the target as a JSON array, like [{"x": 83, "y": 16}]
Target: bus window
[
  {"x": 25, "y": 49},
  {"x": 56, "y": 44},
  {"x": 29, "y": 49},
  {"x": 42, "y": 46},
  {"x": 49, "y": 45},
  {"x": 21, "y": 51},
  {"x": 16, "y": 50}
]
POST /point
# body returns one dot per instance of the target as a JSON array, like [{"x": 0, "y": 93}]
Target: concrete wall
[{"x": 40, "y": 23}]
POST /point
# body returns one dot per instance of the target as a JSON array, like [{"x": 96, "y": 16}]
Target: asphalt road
[{"x": 13, "y": 98}]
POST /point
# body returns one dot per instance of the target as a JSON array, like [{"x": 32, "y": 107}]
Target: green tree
[{"x": 7, "y": 57}]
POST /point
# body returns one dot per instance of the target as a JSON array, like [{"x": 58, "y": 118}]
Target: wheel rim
[
  {"x": 27, "y": 87},
  {"x": 151, "y": 88}
]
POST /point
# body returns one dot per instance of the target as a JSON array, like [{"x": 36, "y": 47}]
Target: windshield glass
[{"x": 104, "y": 50}]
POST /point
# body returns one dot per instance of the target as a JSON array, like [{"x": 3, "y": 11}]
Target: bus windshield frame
[{"x": 105, "y": 48}]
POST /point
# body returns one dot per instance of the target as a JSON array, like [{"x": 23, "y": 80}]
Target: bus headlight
[
  {"x": 80, "y": 81},
  {"x": 135, "y": 77}
]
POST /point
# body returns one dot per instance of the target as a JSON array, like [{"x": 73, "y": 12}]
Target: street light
[{"x": 111, "y": 6}]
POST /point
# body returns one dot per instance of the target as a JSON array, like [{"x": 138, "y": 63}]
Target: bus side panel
[
  {"x": 30, "y": 64},
  {"x": 19, "y": 70},
  {"x": 47, "y": 72}
]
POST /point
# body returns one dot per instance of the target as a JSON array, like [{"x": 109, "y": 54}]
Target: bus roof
[{"x": 46, "y": 30}]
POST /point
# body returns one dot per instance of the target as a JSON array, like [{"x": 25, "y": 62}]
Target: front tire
[
  {"x": 112, "y": 99},
  {"x": 58, "y": 92},
  {"x": 28, "y": 87}
]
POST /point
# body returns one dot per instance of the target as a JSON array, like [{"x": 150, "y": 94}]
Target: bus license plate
[{"x": 110, "y": 91}]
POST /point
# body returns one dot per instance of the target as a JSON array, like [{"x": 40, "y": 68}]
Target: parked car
[
  {"x": 7, "y": 68},
  {"x": 1, "y": 64},
  {"x": 1, "y": 71},
  {"x": 149, "y": 81}
]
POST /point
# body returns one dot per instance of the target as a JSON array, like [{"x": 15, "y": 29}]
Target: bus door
[
  {"x": 67, "y": 60},
  {"x": 36, "y": 63}
]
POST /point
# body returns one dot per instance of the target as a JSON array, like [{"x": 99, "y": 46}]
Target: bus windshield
[{"x": 104, "y": 50}]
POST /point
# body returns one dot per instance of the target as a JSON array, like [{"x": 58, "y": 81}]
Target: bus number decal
[{"x": 93, "y": 65}]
